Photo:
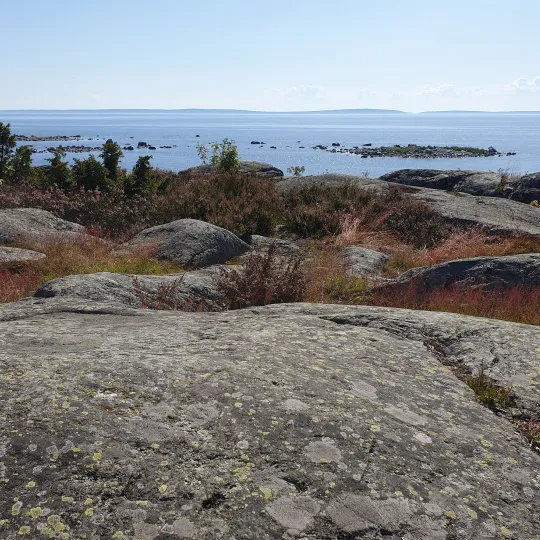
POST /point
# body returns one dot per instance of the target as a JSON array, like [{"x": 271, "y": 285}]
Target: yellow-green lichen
[
  {"x": 35, "y": 513},
  {"x": 25, "y": 529}
]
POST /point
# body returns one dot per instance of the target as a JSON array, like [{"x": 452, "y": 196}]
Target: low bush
[{"x": 264, "y": 279}]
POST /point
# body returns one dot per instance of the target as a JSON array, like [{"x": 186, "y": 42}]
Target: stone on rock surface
[
  {"x": 189, "y": 291},
  {"x": 363, "y": 261},
  {"x": 306, "y": 421},
  {"x": 259, "y": 168},
  {"x": 492, "y": 273},
  {"x": 188, "y": 242},
  {"x": 16, "y": 255},
  {"x": 18, "y": 224}
]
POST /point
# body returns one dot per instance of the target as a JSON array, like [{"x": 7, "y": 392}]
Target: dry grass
[
  {"x": 327, "y": 279},
  {"x": 459, "y": 245},
  {"x": 518, "y": 304},
  {"x": 77, "y": 255}
]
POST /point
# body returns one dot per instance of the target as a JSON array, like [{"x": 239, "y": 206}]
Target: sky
[{"x": 278, "y": 55}]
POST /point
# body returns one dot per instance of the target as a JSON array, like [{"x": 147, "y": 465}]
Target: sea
[{"x": 293, "y": 135}]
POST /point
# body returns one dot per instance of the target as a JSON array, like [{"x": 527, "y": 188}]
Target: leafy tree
[
  {"x": 225, "y": 155},
  {"x": 59, "y": 173},
  {"x": 7, "y": 143},
  {"x": 111, "y": 155},
  {"x": 142, "y": 180},
  {"x": 21, "y": 164},
  {"x": 90, "y": 174}
]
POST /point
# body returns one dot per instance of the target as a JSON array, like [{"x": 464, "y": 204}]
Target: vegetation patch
[
  {"x": 490, "y": 394},
  {"x": 266, "y": 278}
]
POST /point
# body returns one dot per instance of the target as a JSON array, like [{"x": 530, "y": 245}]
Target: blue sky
[{"x": 412, "y": 55}]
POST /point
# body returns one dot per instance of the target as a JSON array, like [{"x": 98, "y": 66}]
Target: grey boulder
[
  {"x": 189, "y": 291},
  {"x": 492, "y": 273},
  {"x": 9, "y": 255},
  {"x": 259, "y": 168},
  {"x": 188, "y": 242},
  {"x": 34, "y": 224},
  {"x": 363, "y": 262},
  {"x": 294, "y": 421},
  {"x": 527, "y": 189}
]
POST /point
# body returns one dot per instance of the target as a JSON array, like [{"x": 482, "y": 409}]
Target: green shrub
[{"x": 90, "y": 174}]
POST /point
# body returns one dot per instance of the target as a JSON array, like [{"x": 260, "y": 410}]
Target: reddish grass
[
  {"x": 518, "y": 304},
  {"x": 75, "y": 255},
  {"x": 530, "y": 429}
]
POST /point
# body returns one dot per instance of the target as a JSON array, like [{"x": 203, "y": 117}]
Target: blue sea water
[{"x": 507, "y": 132}]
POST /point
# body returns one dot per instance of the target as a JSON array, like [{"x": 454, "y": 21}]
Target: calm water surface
[{"x": 509, "y": 132}]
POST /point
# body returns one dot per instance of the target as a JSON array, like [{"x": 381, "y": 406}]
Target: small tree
[
  {"x": 59, "y": 173},
  {"x": 142, "y": 181},
  {"x": 21, "y": 164},
  {"x": 111, "y": 155},
  {"x": 296, "y": 170},
  {"x": 90, "y": 174},
  {"x": 7, "y": 143},
  {"x": 225, "y": 155}
]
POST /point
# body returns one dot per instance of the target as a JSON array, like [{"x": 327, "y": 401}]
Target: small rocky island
[{"x": 413, "y": 151}]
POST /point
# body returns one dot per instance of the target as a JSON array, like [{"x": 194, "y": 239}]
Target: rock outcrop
[
  {"x": 190, "y": 291},
  {"x": 487, "y": 184},
  {"x": 492, "y": 273},
  {"x": 188, "y": 242},
  {"x": 260, "y": 168},
  {"x": 11, "y": 255},
  {"x": 363, "y": 262},
  {"x": 305, "y": 421},
  {"x": 19, "y": 224},
  {"x": 527, "y": 189},
  {"x": 333, "y": 179}
]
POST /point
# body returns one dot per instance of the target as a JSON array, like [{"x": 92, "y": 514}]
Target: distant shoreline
[{"x": 242, "y": 111}]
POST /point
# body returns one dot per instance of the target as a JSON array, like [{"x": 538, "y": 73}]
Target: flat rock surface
[
  {"x": 188, "y": 291},
  {"x": 17, "y": 255},
  {"x": 188, "y": 242},
  {"x": 498, "y": 215},
  {"x": 295, "y": 421},
  {"x": 18, "y": 224},
  {"x": 495, "y": 273}
]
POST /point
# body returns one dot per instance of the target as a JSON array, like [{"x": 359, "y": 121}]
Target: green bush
[{"x": 90, "y": 174}]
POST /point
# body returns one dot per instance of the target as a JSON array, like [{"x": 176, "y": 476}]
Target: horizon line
[{"x": 249, "y": 111}]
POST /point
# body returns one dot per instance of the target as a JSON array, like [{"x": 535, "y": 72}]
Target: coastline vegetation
[{"x": 114, "y": 204}]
